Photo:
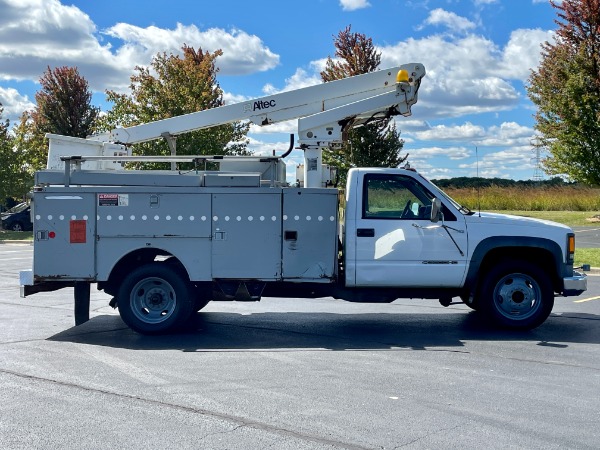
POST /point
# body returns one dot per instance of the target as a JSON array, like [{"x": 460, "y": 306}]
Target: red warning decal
[{"x": 77, "y": 231}]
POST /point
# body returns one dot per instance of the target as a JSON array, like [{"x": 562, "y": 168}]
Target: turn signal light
[{"x": 571, "y": 248}]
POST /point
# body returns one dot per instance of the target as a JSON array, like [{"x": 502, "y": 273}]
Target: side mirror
[{"x": 436, "y": 210}]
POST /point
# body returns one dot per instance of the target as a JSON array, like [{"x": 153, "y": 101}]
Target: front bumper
[{"x": 574, "y": 285}]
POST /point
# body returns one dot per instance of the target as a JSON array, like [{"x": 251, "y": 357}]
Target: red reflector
[
  {"x": 52, "y": 235},
  {"x": 77, "y": 231}
]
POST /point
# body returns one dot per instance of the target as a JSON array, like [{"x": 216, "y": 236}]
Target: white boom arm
[{"x": 324, "y": 112}]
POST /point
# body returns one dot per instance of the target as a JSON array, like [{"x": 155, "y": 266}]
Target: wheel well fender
[
  {"x": 543, "y": 252},
  {"x": 137, "y": 258}
]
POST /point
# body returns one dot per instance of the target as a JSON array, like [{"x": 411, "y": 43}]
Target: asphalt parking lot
[
  {"x": 587, "y": 237},
  {"x": 297, "y": 374}
]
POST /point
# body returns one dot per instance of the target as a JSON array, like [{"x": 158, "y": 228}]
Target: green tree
[
  {"x": 30, "y": 143},
  {"x": 64, "y": 103},
  {"x": 63, "y": 106},
  {"x": 378, "y": 143},
  {"x": 566, "y": 90},
  {"x": 5, "y": 158},
  {"x": 175, "y": 85},
  {"x": 15, "y": 180}
]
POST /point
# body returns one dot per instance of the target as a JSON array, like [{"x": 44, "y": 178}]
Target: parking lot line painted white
[{"x": 587, "y": 299}]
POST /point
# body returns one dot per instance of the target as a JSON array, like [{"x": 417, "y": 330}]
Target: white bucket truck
[{"x": 165, "y": 243}]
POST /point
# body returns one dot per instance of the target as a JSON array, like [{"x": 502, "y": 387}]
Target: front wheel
[
  {"x": 155, "y": 298},
  {"x": 517, "y": 294}
]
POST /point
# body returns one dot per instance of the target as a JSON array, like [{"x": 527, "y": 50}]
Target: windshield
[
  {"x": 461, "y": 208},
  {"x": 20, "y": 207}
]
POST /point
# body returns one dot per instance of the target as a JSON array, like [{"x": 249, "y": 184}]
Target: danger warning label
[{"x": 113, "y": 199}]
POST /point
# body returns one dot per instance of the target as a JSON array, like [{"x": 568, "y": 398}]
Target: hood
[{"x": 515, "y": 221}]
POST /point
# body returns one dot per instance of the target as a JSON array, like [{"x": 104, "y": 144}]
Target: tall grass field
[{"x": 559, "y": 198}]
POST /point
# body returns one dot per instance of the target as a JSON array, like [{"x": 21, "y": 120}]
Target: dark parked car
[{"x": 17, "y": 218}]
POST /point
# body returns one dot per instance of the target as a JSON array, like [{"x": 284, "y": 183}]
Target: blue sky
[{"x": 478, "y": 55}]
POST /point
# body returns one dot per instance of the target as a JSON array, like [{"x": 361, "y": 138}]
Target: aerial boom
[
  {"x": 324, "y": 112},
  {"x": 299, "y": 103}
]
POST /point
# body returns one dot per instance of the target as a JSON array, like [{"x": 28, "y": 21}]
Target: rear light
[{"x": 570, "y": 248}]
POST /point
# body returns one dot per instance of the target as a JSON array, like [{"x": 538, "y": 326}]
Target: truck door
[{"x": 396, "y": 244}]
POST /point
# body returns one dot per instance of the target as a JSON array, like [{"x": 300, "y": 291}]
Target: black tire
[
  {"x": 202, "y": 296},
  {"x": 474, "y": 305},
  {"x": 517, "y": 295},
  {"x": 200, "y": 303},
  {"x": 17, "y": 227},
  {"x": 155, "y": 298}
]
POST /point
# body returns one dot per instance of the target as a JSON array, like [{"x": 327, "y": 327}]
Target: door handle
[{"x": 365, "y": 232}]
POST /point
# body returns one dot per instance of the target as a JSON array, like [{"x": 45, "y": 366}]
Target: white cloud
[
  {"x": 451, "y": 20},
  {"x": 296, "y": 157},
  {"x": 503, "y": 160},
  {"x": 300, "y": 79},
  {"x": 502, "y": 150},
  {"x": 230, "y": 98},
  {"x": 453, "y": 153},
  {"x": 411, "y": 125},
  {"x": 14, "y": 104},
  {"x": 457, "y": 81},
  {"x": 35, "y": 34},
  {"x": 523, "y": 52},
  {"x": 242, "y": 53},
  {"x": 263, "y": 148},
  {"x": 470, "y": 74},
  {"x": 507, "y": 134},
  {"x": 437, "y": 173},
  {"x": 465, "y": 132},
  {"x": 287, "y": 127},
  {"x": 352, "y": 5}
]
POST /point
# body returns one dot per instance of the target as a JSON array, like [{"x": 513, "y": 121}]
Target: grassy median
[{"x": 6, "y": 235}]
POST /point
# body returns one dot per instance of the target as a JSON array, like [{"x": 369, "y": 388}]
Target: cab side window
[{"x": 387, "y": 196}]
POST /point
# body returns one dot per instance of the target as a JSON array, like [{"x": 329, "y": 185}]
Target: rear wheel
[
  {"x": 517, "y": 294},
  {"x": 16, "y": 226},
  {"x": 155, "y": 298}
]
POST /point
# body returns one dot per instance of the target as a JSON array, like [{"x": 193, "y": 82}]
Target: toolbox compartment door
[
  {"x": 64, "y": 228},
  {"x": 310, "y": 222},
  {"x": 246, "y": 235}
]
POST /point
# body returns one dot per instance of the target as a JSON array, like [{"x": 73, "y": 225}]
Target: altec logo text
[{"x": 259, "y": 105}]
